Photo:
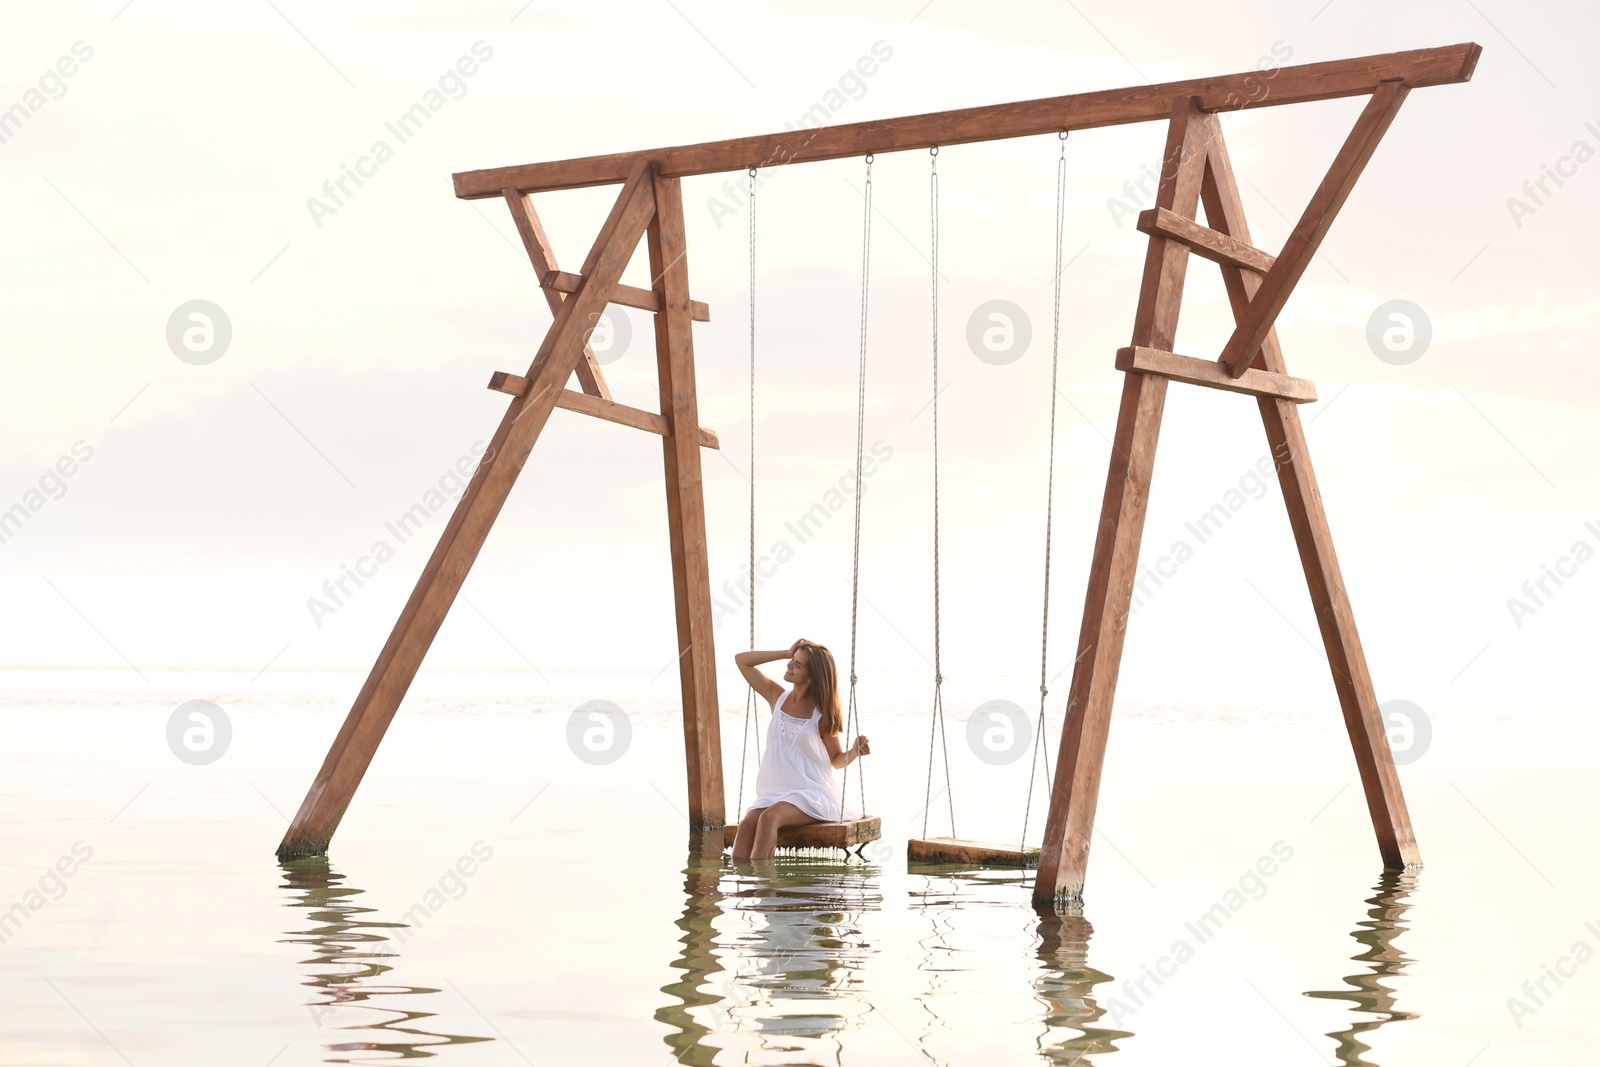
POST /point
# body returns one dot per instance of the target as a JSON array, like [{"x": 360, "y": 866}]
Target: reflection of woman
[
  {"x": 796, "y": 784},
  {"x": 770, "y": 969}
]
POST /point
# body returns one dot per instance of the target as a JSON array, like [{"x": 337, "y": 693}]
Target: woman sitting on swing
[{"x": 796, "y": 784}]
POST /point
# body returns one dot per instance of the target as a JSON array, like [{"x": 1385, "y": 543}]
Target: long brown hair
[{"x": 824, "y": 687}]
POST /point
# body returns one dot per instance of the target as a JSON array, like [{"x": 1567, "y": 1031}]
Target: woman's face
[{"x": 796, "y": 670}]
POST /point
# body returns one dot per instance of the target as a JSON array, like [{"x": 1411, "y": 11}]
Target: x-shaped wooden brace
[
  {"x": 1196, "y": 169},
  {"x": 595, "y": 399}
]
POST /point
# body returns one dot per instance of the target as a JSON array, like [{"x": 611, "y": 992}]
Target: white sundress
[{"x": 796, "y": 768}]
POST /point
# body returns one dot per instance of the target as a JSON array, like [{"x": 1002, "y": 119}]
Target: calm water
[{"x": 491, "y": 898}]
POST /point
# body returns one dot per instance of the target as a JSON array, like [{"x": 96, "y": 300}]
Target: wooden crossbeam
[
  {"x": 1211, "y": 373},
  {"x": 610, "y": 410},
  {"x": 626, "y": 295},
  {"x": 1306, "y": 237},
  {"x": 1204, "y": 241},
  {"x": 1079, "y": 111}
]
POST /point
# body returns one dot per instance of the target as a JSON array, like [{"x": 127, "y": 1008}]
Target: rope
[
  {"x": 936, "y": 721},
  {"x": 750, "y": 695},
  {"x": 853, "y": 717},
  {"x": 1040, "y": 736}
]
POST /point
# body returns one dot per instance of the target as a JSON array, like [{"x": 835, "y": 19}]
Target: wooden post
[
  {"x": 441, "y": 579},
  {"x": 686, "y": 512},
  {"x": 1064, "y": 856},
  {"x": 1351, "y": 680}
]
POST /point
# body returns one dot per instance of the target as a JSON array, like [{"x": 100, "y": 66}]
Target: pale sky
[{"x": 176, "y": 162}]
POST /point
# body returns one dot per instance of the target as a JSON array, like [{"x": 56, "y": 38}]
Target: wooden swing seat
[
  {"x": 954, "y": 850},
  {"x": 841, "y": 835}
]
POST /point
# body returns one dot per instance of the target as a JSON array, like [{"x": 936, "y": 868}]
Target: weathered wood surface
[
  {"x": 1209, "y": 372},
  {"x": 969, "y": 853},
  {"x": 820, "y": 834},
  {"x": 1078, "y": 111}
]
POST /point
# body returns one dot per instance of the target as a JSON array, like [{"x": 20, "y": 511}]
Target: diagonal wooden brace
[
  {"x": 1352, "y": 681},
  {"x": 1313, "y": 226}
]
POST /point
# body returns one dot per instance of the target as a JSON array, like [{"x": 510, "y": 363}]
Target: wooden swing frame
[{"x": 1196, "y": 169}]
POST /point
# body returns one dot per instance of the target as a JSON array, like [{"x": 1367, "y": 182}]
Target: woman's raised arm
[{"x": 768, "y": 688}]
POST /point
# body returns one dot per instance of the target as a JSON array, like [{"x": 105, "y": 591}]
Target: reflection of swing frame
[{"x": 1196, "y": 169}]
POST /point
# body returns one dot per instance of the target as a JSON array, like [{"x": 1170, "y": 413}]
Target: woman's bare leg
[
  {"x": 772, "y": 820},
  {"x": 746, "y": 836}
]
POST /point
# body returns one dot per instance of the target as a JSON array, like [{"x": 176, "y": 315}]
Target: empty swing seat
[
  {"x": 954, "y": 850},
  {"x": 841, "y": 835}
]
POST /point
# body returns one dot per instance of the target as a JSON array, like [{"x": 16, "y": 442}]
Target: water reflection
[
  {"x": 1367, "y": 993},
  {"x": 770, "y": 959},
  {"x": 347, "y": 956},
  {"x": 770, "y": 969},
  {"x": 1063, "y": 982},
  {"x": 939, "y": 957},
  {"x": 1066, "y": 986}
]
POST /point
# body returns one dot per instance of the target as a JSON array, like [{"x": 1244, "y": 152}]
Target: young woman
[{"x": 796, "y": 784}]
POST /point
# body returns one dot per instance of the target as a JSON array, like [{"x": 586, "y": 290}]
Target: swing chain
[
  {"x": 852, "y": 721},
  {"x": 748, "y": 734},
  {"x": 1041, "y": 735},
  {"x": 936, "y": 724},
  {"x": 752, "y": 561}
]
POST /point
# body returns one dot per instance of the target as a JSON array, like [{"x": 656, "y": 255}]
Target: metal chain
[
  {"x": 861, "y": 423},
  {"x": 750, "y": 696},
  {"x": 1049, "y": 506},
  {"x": 936, "y": 721},
  {"x": 751, "y": 203}
]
